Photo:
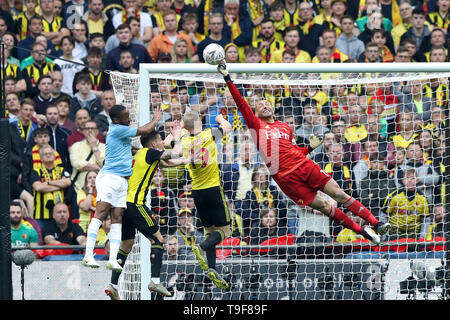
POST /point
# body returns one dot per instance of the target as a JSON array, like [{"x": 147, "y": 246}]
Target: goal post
[{"x": 310, "y": 75}]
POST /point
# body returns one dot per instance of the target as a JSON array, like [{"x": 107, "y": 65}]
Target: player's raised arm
[
  {"x": 149, "y": 127},
  {"x": 224, "y": 124},
  {"x": 250, "y": 119}
]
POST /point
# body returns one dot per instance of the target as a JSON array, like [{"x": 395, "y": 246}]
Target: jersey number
[{"x": 202, "y": 158}]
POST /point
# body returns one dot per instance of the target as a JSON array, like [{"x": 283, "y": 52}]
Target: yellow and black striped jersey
[
  {"x": 267, "y": 51},
  {"x": 202, "y": 148},
  {"x": 145, "y": 163},
  {"x": 438, "y": 93},
  {"x": 437, "y": 20},
  {"x": 52, "y": 26}
]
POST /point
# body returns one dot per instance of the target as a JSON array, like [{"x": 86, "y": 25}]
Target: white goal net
[{"x": 384, "y": 144}]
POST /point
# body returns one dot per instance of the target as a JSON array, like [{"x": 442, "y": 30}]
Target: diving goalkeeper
[{"x": 298, "y": 176}]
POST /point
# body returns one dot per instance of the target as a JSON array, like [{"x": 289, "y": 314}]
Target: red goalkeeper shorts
[{"x": 302, "y": 184}]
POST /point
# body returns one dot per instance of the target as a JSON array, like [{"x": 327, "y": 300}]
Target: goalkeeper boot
[
  {"x": 198, "y": 252},
  {"x": 217, "y": 279},
  {"x": 371, "y": 235},
  {"x": 112, "y": 292},
  {"x": 158, "y": 289},
  {"x": 89, "y": 261},
  {"x": 382, "y": 228},
  {"x": 114, "y": 266}
]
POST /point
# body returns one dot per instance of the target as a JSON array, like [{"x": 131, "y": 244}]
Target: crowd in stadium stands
[{"x": 383, "y": 143}]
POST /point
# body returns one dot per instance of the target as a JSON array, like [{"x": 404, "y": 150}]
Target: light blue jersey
[{"x": 118, "y": 157}]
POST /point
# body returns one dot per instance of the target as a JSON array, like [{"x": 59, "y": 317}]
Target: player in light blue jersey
[{"x": 112, "y": 182}]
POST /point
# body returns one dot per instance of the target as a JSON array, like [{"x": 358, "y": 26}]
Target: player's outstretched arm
[
  {"x": 151, "y": 126},
  {"x": 244, "y": 108},
  {"x": 224, "y": 124}
]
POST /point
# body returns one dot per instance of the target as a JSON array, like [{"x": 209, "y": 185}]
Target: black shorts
[
  {"x": 138, "y": 217},
  {"x": 211, "y": 207}
]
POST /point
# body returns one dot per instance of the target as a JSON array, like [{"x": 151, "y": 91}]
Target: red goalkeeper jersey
[{"x": 275, "y": 141}]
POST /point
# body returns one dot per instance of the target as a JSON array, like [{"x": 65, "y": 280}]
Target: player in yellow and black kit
[
  {"x": 207, "y": 191},
  {"x": 138, "y": 215}
]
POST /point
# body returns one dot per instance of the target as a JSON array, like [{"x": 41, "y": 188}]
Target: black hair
[
  {"x": 149, "y": 138},
  {"x": 116, "y": 111}
]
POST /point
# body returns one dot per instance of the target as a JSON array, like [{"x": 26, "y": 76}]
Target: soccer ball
[{"x": 213, "y": 54}]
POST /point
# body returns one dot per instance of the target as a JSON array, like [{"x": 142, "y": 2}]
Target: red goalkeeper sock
[
  {"x": 357, "y": 208},
  {"x": 342, "y": 219}
]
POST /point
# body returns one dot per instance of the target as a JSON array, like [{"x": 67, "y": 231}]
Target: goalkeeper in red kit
[{"x": 298, "y": 176}]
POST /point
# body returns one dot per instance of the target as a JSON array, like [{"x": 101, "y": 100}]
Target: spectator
[
  {"x": 57, "y": 82},
  {"x": 231, "y": 53},
  {"x": 172, "y": 248},
  {"x": 35, "y": 28},
  {"x": 97, "y": 41},
  {"x": 329, "y": 38},
  {"x": 267, "y": 228},
  {"x": 439, "y": 18},
  {"x": 25, "y": 122},
  {"x": 32, "y": 159},
  {"x": 321, "y": 157},
  {"x": 237, "y": 175},
  {"x": 347, "y": 42},
  {"x": 372, "y": 53},
  {"x": 87, "y": 154},
  {"x": 215, "y": 27},
  {"x": 12, "y": 105},
  {"x": 338, "y": 169},
  {"x": 180, "y": 52},
  {"x": 265, "y": 42},
  {"x": 238, "y": 26},
  {"x": 361, "y": 168},
  {"x": 406, "y": 134},
  {"x": 276, "y": 13},
  {"x": 207, "y": 102},
  {"x": 85, "y": 98},
  {"x": 22, "y": 233},
  {"x": 95, "y": 18},
  {"x": 61, "y": 230},
  {"x": 374, "y": 18},
  {"x": 126, "y": 62},
  {"x": 40, "y": 67},
  {"x": 80, "y": 34},
  {"x": 187, "y": 234},
  {"x": 292, "y": 41},
  {"x": 17, "y": 156},
  {"x": 63, "y": 105},
  {"x": 162, "y": 7},
  {"x": 338, "y": 8},
  {"x": 103, "y": 119},
  {"x": 68, "y": 68},
  {"x": 310, "y": 30},
  {"x": 44, "y": 99},
  {"x": 163, "y": 42},
  {"x": 309, "y": 125},
  {"x": 81, "y": 117},
  {"x": 356, "y": 130},
  {"x": 419, "y": 30},
  {"x": 414, "y": 102},
  {"x": 427, "y": 177},
  {"x": 23, "y": 18},
  {"x": 53, "y": 26},
  {"x": 406, "y": 208},
  {"x": 48, "y": 182},
  {"x": 435, "y": 39},
  {"x": 438, "y": 54},
  {"x": 190, "y": 26},
  {"x": 86, "y": 199},
  {"x": 377, "y": 185},
  {"x": 323, "y": 12},
  {"x": 379, "y": 36},
  {"x": 114, "y": 42},
  {"x": 262, "y": 195},
  {"x": 59, "y": 135},
  {"x": 100, "y": 80},
  {"x": 145, "y": 21},
  {"x": 139, "y": 53},
  {"x": 429, "y": 145},
  {"x": 406, "y": 10},
  {"x": 163, "y": 204}
]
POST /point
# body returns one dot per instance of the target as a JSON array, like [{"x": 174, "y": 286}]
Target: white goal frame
[{"x": 146, "y": 69}]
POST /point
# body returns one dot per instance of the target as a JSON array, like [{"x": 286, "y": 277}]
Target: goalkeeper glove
[
  {"x": 314, "y": 142},
  {"x": 222, "y": 68}
]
